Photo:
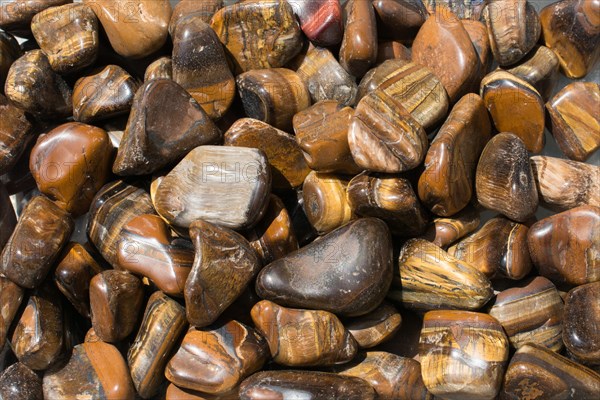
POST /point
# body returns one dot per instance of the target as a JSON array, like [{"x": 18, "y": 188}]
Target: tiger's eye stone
[
  {"x": 16, "y": 131},
  {"x": 478, "y": 34},
  {"x": 322, "y": 134},
  {"x": 68, "y": 35},
  {"x": 135, "y": 29},
  {"x": 10, "y": 50},
  {"x": 325, "y": 78},
  {"x": 16, "y": 15},
  {"x": 504, "y": 179},
  {"x": 539, "y": 69},
  {"x": 444, "y": 46},
  {"x": 70, "y": 164},
  {"x": 273, "y": 95},
  {"x": 399, "y": 19},
  {"x": 564, "y": 184},
  {"x": 204, "y": 9},
  {"x": 325, "y": 202},
  {"x": 384, "y": 137},
  {"x": 581, "y": 321},
  {"x": 288, "y": 167},
  {"x": 216, "y": 359},
  {"x": 165, "y": 123},
  {"x": 258, "y": 34},
  {"x": 359, "y": 43},
  {"x": 224, "y": 265},
  {"x": 390, "y": 198},
  {"x": 163, "y": 324},
  {"x": 466, "y": 10},
  {"x": 531, "y": 313},
  {"x": 302, "y": 338},
  {"x": 310, "y": 384},
  {"x": 33, "y": 86},
  {"x": 446, "y": 185},
  {"x": 514, "y": 29},
  {"x": 510, "y": 101},
  {"x": 463, "y": 354},
  {"x": 11, "y": 296},
  {"x": 162, "y": 68},
  {"x": 197, "y": 187},
  {"x": 431, "y": 279},
  {"x": 376, "y": 327},
  {"x": 575, "y": 120},
  {"x": 348, "y": 271},
  {"x": 41, "y": 232},
  {"x": 572, "y": 30},
  {"x": 320, "y": 20},
  {"x": 565, "y": 246},
  {"x": 18, "y": 382},
  {"x": 95, "y": 370},
  {"x": 200, "y": 66},
  {"x": 74, "y": 271},
  {"x": 535, "y": 372},
  {"x": 445, "y": 231},
  {"x": 390, "y": 49},
  {"x": 116, "y": 299},
  {"x": 104, "y": 93}
]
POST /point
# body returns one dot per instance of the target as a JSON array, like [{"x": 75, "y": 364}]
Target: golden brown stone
[
  {"x": 359, "y": 44},
  {"x": 374, "y": 328},
  {"x": 325, "y": 202}
]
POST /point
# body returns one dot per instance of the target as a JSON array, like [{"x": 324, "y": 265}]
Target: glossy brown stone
[
  {"x": 374, "y": 328},
  {"x": 9, "y": 52},
  {"x": 16, "y": 131},
  {"x": 446, "y": 186},
  {"x": 565, "y": 246},
  {"x": 116, "y": 299},
  {"x": 301, "y": 338},
  {"x": 11, "y": 296},
  {"x": 216, "y": 359},
  {"x": 511, "y": 101},
  {"x": 445, "y": 231},
  {"x": 205, "y": 9},
  {"x": 18, "y": 382},
  {"x": 103, "y": 93},
  {"x": 162, "y": 68},
  {"x": 399, "y": 19},
  {"x": 325, "y": 202},
  {"x": 320, "y": 20},
  {"x": 390, "y": 198},
  {"x": 581, "y": 320},
  {"x": 504, "y": 179},
  {"x": 540, "y": 69},
  {"x": 575, "y": 120},
  {"x": 41, "y": 232},
  {"x": 358, "y": 51},
  {"x": 390, "y": 49},
  {"x": 164, "y": 125},
  {"x": 16, "y": 15}
]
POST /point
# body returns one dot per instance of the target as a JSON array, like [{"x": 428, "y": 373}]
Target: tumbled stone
[
  {"x": 18, "y": 382},
  {"x": 162, "y": 68},
  {"x": 325, "y": 203},
  {"x": 539, "y": 69},
  {"x": 399, "y": 19},
  {"x": 320, "y": 20},
  {"x": 16, "y": 131},
  {"x": 390, "y": 49},
  {"x": 358, "y": 51},
  {"x": 204, "y": 9},
  {"x": 466, "y": 10},
  {"x": 376, "y": 327},
  {"x": 11, "y": 296},
  {"x": 581, "y": 319},
  {"x": 445, "y": 231},
  {"x": 16, "y": 15},
  {"x": 9, "y": 52}
]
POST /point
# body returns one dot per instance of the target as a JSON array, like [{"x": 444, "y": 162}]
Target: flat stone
[
  {"x": 581, "y": 317},
  {"x": 18, "y": 382},
  {"x": 325, "y": 203},
  {"x": 320, "y": 20},
  {"x": 16, "y": 131},
  {"x": 376, "y": 327},
  {"x": 359, "y": 44}
]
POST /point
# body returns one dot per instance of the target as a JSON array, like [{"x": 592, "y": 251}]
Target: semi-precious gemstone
[
  {"x": 41, "y": 232},
  {"x": 16, "y": 131},
  {"x": 204, "y": 9},
  {"x": 258, "y": 34},
  {"x": 135, "y": 29},
  {"x": 10, "y": 50},
  {"x": 147, "y": 247},
  {"x": 325, "y": 78},
  {"x": 444, "y": 46},
  {"x": 389, "y": 197},
  {"x": 392, "y": 376},
  {"x": 164, "y": 125},
  {"x": 580, "y": 323},
  {"x": 463, "y": 354},
  {"x": 499, "y": 249},
  {"x": 94, "y": 370},
  {"x": 33, "y": 86},
  {"x": 103, "y": 93},
  {"x": 564, "y": 184},
  {"x": 390, "y": 49},
  {"x": 540, "y": 373},
  {"x": 384, "y": 137},
  {"x": 116, "y": 299},
  {"x": 200, "y": 66},
  {"x": 478, "y": 34},
  {"x": 320, "y": 20},
  {"x": 68, "y": 35},
  {"x": 514, "y": 29},
  {"x": 224, "y": 265},
  {"x": 504, "y": 179},
  {"x": 431, "y": 279},
  {"x": 161, "y": 68},
  {"x": 359, "y": 44},
  {"x": 302, "y": 338},
  {"x": 325, "y": 202},
  {"x": 74, "y": 271},
  {"x": 11, "y": 296},
  {"x": 216, "y": 359},
  {"x": 376, "y": 327},
  {"x": 347, "y": 272},
  {"x": 531, "y": 312},
  {"x": 322, "y": 134},
  {"x": 197, "y": 186},
  {"x": 539, "y": 69},
  {"x": 446, "y": 186},
  {"x": 288, "y": 167},
  {"x": 572, "y": 30},
  {"x": 16, "y": 15},
  {"x": 399, "y": 19},
  {"x": 71, "y": 163},
  {"x": 163, "y": 324},
  {"x": 466, "y": 10},
  {"x": 273, "y": 95},
  {"x": 19, "y": 382},
  {"x": 565, "y": 247},
  {"x": 444, "y": 231},
  {"x": 515, "y": 106},
  {"x": 312, "y": 384},
  {"x": 575, "y": 120}
]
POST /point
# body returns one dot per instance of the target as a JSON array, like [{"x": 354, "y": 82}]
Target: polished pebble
[
  {"x": 11, "y": 296},
  {"x": 376, "y": 327},
  {"x": 16, "y": 131},
  {"x": 18, "y": 382},
  {"x": 580, "y": 323},
  {"x": 162, "y": 68},
  {"x": 16, "y": 15},
  {"x": 390, "y": 49},
  {"x": 539, "y": 69},
  {"x": 320, "y": 20},
  {"x": 400, "y": 19},
  {"x": 444, "y": 231},
  {"x": 325, "y": 201},
  {"x": 358, "y": 51}
]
